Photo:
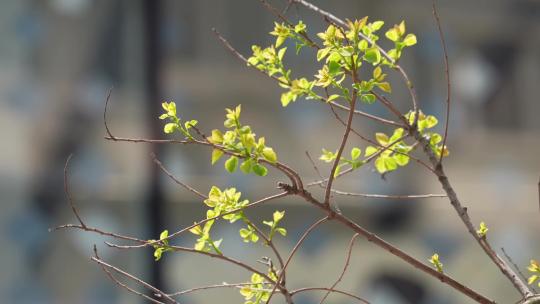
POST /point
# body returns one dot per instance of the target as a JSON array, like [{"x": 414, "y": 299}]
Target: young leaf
[
  {"x": 260, "y": 170},
  {"x": 269, "y": 155},
  {"x": 355, "y": 153},
  {"x": 246, "y": 166},
  {"x": 370, "y": 150},
  {"x": 382, "y": 138},
  {"x": 231, "y": 163},
  {"x": 410, "y": 40},
  {"x": 216, "y": 155},
  {"x": 169, "y": 128},
  {"x": 368, "y": 98},
  {"x": 373, "y": 55}
]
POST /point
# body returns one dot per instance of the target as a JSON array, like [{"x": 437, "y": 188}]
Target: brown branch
[
  {"x": 169, "y": 174},
  {"x": 447, "y": 74},
  {"x": 464, "y": 216},
  {"x": 293, "y": 251},
  {"x": 294, "y": 292},
  {"x": 104, "y": 265},
  {"x": 345, "y": 267},
  {"x": 371, "y": 237},
  {"x": 386, "y": 196},
  {"x": 331, "y": 177}
]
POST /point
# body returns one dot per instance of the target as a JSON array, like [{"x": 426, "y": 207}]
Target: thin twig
[
  {"x": 345, "y": 267},
  {"x": 297, "y": 291},
  {"x": 169, "y": 174},
  {"x": 278, "y": 14},
  {"x": 516, "y": 267},
  {"x": 386, "y": 196},
  {"x": 293, "y": 251},
  {"x": 68, "y": 193},
  {"x": 314, "y": 165},
  {"x": 177, "y": 233},
  {"x": 447, "y": 74},
  {"x": 216, "y": 256},
  {"x": 96, "y": 259},
  {"x": 223, "y": 285},
  {"x": 105, "y": 113}
]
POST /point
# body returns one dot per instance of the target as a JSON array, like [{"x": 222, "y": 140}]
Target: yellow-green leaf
[{"x": 216, "y": 155}]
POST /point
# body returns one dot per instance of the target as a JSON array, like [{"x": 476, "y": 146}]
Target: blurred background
[{"x": 58, "y": 58}]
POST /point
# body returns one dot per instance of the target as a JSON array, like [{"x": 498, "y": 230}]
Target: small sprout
[
  {"x": 162, "y": 246},
  {"x": 436, "y": 263},
  {"x": 482, "y": 231},
  {"x": 534, "y": 267}
]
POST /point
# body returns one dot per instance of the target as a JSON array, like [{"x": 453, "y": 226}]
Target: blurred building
[{"x": 58, "y": 58}]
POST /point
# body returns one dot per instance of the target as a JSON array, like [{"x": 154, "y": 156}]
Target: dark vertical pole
[{"x": 153, "y": 204}]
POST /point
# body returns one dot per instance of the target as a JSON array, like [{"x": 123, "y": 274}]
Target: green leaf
[
  {"x": 401, "y": 159},
  {"x": 410, "y": 40},
  {"x": 377, "y": 72},
  {"x": 277, "y": 216},
  {"x": 357, "y": 164},
  {"x": 377, "y": 25},
  {"x": 269, "y": 155},
  {"x": 379, "y": 165},
  {"x": 163, "y": 116},
  {"x": 355, "y": 153},
  {"x": 333, "y": 67},
  {"x": 282, "y": 231},
  {"x": 322, "y": 53},
  {"x": 169, "y": 128},
  {"x": 392, "y": 34},
  {"x": 373, "y": 55},
  {"x": 368, "y": 98},
  {"x": 363, "y": 45},
  {"x": 382, "y": 138},
  {"x": 338, "y": 170},
  {"x": 281, "y": 53},
  {"x": 157, "y": 253},
  {"x": 246, "y": 166},
  {"x": 385, "y": 86},
  {"x": 164, "y": 234},
  {"x": 431, "y": 121},
  {"x": 370, "y": 150},
  {"x": 332, "y": 97},
  {"x": 216, "y": 155},
  {"x": 286, "y": 98},
  {"x": 384, "y": 164},
  {"x": 260, "y": 170},
  {"x": 231, "y": 163},
  {"x": 390, "y": 163}
]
